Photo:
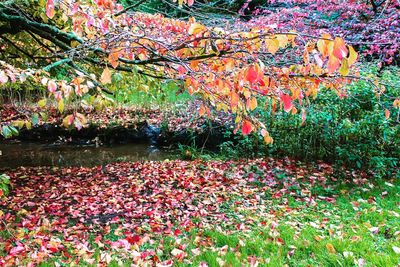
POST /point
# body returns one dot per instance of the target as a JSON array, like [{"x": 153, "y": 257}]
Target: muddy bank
[
  {"x": 124, "y": 125},
  {"x": 209, "y": 135}
]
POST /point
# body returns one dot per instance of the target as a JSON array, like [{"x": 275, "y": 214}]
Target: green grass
[
  {"x": 163, "y": 96},
  {"x": 346, "y": 229}
]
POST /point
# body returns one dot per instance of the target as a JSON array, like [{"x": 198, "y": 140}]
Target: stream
[{"x": 17, "y": 154}]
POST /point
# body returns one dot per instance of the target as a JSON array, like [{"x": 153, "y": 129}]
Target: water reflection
[{"x": 33, "y": 154}]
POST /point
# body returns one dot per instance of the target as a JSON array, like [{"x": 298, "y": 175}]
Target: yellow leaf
[
  {"x": 272, "y": 45},
  {"x": 61, "y": 105},
  {"x": 330, "y": 248},
  {"x": 42, "y": 103},
  {"x": 74, "y": 43},
  {"x": 105, "y": 76},
  {"x": 196, "y": 28},
  {"x": 180, "y": 3},
  {"x": 344, "y": 69},
  {"x": 267, "y": 138},
  {"x": 251, "y": 103},
  {"x": 18, "y": 123},
  {"x": 317, "y": 238},
  {"x": 323, "y": 45},
  {"x": 396, "y": 103},
  {"x": 67, "y": 121},
  {"x": 352, "y": 56},
  {"x": 28, "y": 125},
  {"x": 283, "y": 40},
  {"x": 222, "y": 106}
]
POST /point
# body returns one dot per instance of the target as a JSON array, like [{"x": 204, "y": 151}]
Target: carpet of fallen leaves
[{"x": 127, "y": 207}]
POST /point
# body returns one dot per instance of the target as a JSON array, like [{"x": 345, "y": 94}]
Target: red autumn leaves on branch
[{"x": 233, "y": 68}]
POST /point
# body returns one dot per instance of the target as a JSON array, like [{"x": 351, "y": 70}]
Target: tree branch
[{"x": 129, "y": 8}]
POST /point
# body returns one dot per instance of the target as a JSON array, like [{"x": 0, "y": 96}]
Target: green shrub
[{"x": 351, "y": 132}]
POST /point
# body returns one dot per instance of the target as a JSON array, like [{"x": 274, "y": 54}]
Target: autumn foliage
[{"x": 236, "y": 67}]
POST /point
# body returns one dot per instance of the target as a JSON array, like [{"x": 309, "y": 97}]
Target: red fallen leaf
[
  {"x": 287, "y": 102},
  {"x": 167, "y": 263},
  {"x": 181, "y": 70},
  {"x": 177, "y": 232},
  {"x": 247, "y": 127},
  {"x": 53, "y": 247},
  {"x": 98, "y": 239},
  {"x": 280, "y": 241},
  {"x": 133, "y": 239},
  {"x": 240, "y": 226}
]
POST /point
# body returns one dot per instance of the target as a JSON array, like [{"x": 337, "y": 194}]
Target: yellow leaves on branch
[{"x": 234, "y": 100}]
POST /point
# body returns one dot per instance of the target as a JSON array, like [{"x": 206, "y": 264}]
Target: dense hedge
[{"x": 352, "y": 132}]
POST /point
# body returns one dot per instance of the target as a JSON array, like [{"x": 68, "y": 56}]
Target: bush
[{"x": 351, "y": 132}]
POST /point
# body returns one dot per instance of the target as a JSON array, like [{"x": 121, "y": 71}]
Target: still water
[{"x": 18, "y": 154}]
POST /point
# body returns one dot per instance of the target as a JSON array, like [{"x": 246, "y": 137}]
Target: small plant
[{"x": 4, "y": 185}]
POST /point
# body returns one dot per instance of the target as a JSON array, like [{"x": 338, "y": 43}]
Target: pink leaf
[
  {"x": 16, "y": 250},
  {"x": 3, "y": 77},
  {"x": 52, "y": 86},
  {"x": 287, "y": 102},
  {"x": 50, "y": 12}
]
